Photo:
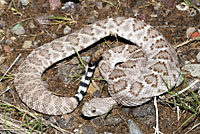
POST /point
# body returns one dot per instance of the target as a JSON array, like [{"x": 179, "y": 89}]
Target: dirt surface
[{"x": 163, "y": 15}]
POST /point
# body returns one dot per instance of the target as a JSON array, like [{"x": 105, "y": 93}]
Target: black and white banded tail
[{"x": 85, "y": 81}]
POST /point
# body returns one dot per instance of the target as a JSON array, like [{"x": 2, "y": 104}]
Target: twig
[
  {"x": 192, "y": 128},
  {"x": 35, "y": 117},
  {"x": 8, "y": 88},
  {"x": 186, "y": 42},
  {"x": 10, "y": 67},
  {"x": 185, "y": 89},
  {"x": 156, "y": 108}
]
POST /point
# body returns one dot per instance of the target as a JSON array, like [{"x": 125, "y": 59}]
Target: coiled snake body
[{"x": 135, "y": 73}]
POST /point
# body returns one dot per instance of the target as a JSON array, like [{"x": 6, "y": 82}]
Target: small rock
[
  {"x": 7, "y": 48},
  {"x": 198, "y": 57},
  {"x": 86, "y": 58},
  {"x": 77, "y": 131},
  {"x": 23, "y": 2},
  {"x": 46, "y": 85},
  {"x": 107, "y": 8},
  {"x": 69, "y": 5},
  {"x": 2, "y": 59},
  {"x": 4, "y": 68},
  {"x": 99, "y": 5},
  {"x": 67, "y": 30},
  {"x": 8, "y": 41},
  {"x": 91, "y": 20},
  {"x": 97, "y": 121},
  {"x": 6, "y": 99},
  {"x": 113, "y": 120},
  {"x": 62, "y": 123},
  {"x": 65, "y": 72},
  {"x": 31, "y": 25},
  {"x": 169, "y": 3},
  {"x": 157, "y": 6},
  {"x": 54, "y": 4},
  {"x": 43, "y": 20},
  {"x": 192, "y": 32},
  {"x": 13, "y": 38},
  {"x": 96, "y": 93},
  {"x": 27, "y": 44},
  {"x": 18, "y": 29},
  {"x": 107, "y": 133},
  {"x": 133, "y": 128},
  {"x": 193, "y": 69},
  {"x": 70, "y": 123},
  {"x": 88, "y": 129},
  {"x": 143, "y": 110},
  {"x": 2, "y": 23},
  {"x": 54, "y": 36},
  {"x": 2, "y": 3}
]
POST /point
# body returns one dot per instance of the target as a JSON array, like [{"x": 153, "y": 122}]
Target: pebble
[
  {"x": 6, "y": 99},
  {"x": 66, "y": 71},
  {"x": 69, "y": 5},
  {"x": 88, "y": 129},
  {"x": 86, "y": 58},
  {"x": 143, "y": 110},
  {"x": 193, "y": 69},
  {"x": 97, "y": 121},
  {"x": 43, "y": 20},
  {"x": 23, "y": 2},
  {"x": 107, "y": 133},
  {"x": 67, "y": 30},
  {"x": 27, "y": 44},
  {"x": 133, "y": 128},
  {"x": 2, "y": 59},
  {"x": 91, "y": 20},
  {"x": 13, "y": 38},
  {"x": 4, "y": 68},
  {"x": 7, "y": 48},
  {"x": 54, "y": 4},
  {"x": 99, "y": 5},
  {"x": 2, "y": 23},
  {"x": 2, "y": 3},
  {"x": 62, "y": 122},
  {"x": 157, "y": 6},
  {"x": 32, "y": 25},
  {"x": 77, "y": 131},
  {"x": 169, "y": 3},
  {"x": 113, "y": 120},
  {"x": 8, "y": 41},
  {"x": 70, "y": 123},
  {"x": 198, "y": 57},
  {"x": 46, "y": 85},
  {"x": 190, "y": 31},
  {"x": 18, "y": 29}
]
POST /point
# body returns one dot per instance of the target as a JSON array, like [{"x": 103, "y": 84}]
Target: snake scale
[{"x": 134, "y": 73}]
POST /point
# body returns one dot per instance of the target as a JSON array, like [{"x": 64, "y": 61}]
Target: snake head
[{"x": 97, "y": 106}]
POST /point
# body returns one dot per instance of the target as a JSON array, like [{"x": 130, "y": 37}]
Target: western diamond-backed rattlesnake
[{"x": 134, "y": 73}]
